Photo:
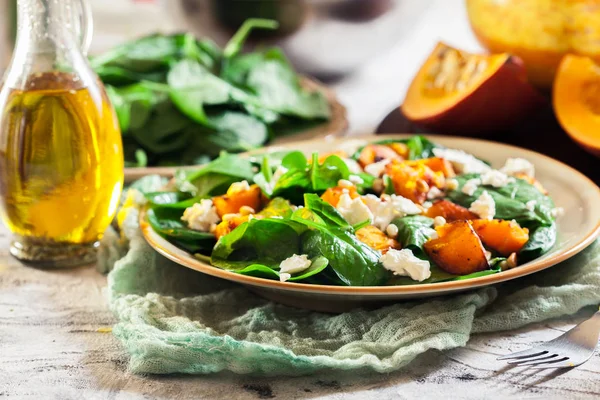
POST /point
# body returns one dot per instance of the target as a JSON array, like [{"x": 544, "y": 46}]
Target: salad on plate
[{"x": 393, "y": 212}]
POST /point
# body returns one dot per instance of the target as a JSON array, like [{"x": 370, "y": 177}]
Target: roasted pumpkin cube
[
  {"x": 235, "y": 199},
  {"x": 442, "y": 165},
  {"x": 458, "y": 250},
  {"x": 450, "y": 211},
  {"x": 505, "y": 237},
  {"x": 332, "y": 195},
  {"x": 232, "y": 221},
  {"x": 373, "y": 153},
  {"x": 400, "y": 148},
  {"x": 376, "y": 239},
  {"x": 413, "y": 179}
]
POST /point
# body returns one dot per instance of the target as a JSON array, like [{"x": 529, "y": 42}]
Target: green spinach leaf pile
[
  {"x": 394, "y": 212},
  {"x": 180, "y": 100}
]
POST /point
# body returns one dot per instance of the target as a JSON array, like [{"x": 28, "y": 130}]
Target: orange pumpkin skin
[
  {"x": 505, "y": 237},
  {"x": 576, "y": 101},
  {"x": 496, "y": 99},
  {"x": 540, "y": 32},
  {"x": 458, "y": 250}
]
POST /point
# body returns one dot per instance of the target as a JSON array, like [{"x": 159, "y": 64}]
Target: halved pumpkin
[
  {"x": 455, "y": 91},
  {"x": 576, "y": 101}
]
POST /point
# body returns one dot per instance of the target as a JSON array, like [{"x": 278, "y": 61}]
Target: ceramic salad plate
[{"x": 576, "y": 228}]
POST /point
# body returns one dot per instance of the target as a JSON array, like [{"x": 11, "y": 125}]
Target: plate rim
[{"x": 177, "y": 255}]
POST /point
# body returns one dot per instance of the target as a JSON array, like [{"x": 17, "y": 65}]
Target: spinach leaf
[
  {"x": 302, "y": 177},
  {"x": 353, "y": 262},
  {"x": 278, "y": 88},
  {"x": 413, "y": 232},
  {"x": 193, "y": 86},
  {"x": 277, "y": 207},
  {"x": 133, "y": 104},
  {"x": 169, "y": 225},
  {"x": 215, "y": 177},
  {"x": 317, "y": 265},
  {"x": 142, "y": 55},
  {"x": 510, "y": 201},
  {"x": 258, "y": 241},
  {"x": 541, "y": 240},
  {"x": 237, "y": 131},
  {"x": 325, "y": 211},
  {"x": 237, "y": 40}
]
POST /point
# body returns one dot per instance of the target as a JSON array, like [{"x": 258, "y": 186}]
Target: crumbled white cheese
[
  {"x": 439, "y": 221},
  {"x": 515, "y": 166},
  {"x": 405, "y": 263},
  {"x": 530, "y": 205},
  {"x": 201, "y": 216},
  {"x": 344, "y": 183},
  {"x": 484, "y": 206},
  {"x": 284, "y": 276},
  {"x": 464, "y": 163},
  {"x": 353, "y": 210},
  {"x": 353, "y": 166},
  {"x": 557, "y": 212},
  {"x": 426, "y": 205},
  {"x": 434, "y": 193},
  {"x": 351, "y": 146},
  {"x": 451, "y": 184},
  {"x": 495, "y": 178},
  {"x": 294, "y": 264},
  {"x": 433, "y": 235},
  {"x": 390, "y": 207},
  {"x": 488, "y": 255},
  {"x": 391, "y": 230},
  {"x": 470, "y": 186},
  {"x": 237, "y": 187},
  {"x": 357, "y": 180},
  {"x": 376, "y": 169}
]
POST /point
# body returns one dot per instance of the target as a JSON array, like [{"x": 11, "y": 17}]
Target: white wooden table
[{"x": 54, "y": 344}]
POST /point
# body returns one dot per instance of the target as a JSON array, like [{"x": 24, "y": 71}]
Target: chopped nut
[{"x": 247, "y": 210}]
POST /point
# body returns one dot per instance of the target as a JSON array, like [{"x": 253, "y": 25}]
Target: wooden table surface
[
  {"x": 54, "y": 345},
  {"x": 54, "y": 342}
]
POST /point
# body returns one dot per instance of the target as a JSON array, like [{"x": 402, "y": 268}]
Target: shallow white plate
[{"x": 577, "y": 229}]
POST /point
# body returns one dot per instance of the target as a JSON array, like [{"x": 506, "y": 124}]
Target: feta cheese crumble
[
  {"x": 530, "y": 205},
  {"x": 496, "y": 178},
  {"x": 515, "y": 166},
  {"x": 470, "y": 186},
  {"x": 390, "y": 207},
  {"x": 357, "y": 180},
  {"x": 237, "y": 187},
  {"x": 344, "y": 183},
  {"x": 353, "y": 210},
  {"x": 439, "y": 221},
  {"x": 201, "y": 216},
  {"x": 451, "y": 184},
  {"x": 484, "y": 206},
  {"x": 391, "y": 230},
  {"x": 464, "y": 163},
  {"x": 377, "y": 169},
  {"x": 405, "y": 263},
  {"x": 294, "y": 264},
  {"x": 352, "y": 165},
  {"x": 434, "y": 193}
]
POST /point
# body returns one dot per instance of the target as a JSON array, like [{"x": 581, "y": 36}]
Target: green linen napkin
[{"x": 175, "y": 320}]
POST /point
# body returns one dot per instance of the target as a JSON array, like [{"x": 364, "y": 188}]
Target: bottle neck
[{"x": 48, "y": 25}]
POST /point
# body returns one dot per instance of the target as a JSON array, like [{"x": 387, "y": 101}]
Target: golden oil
[{"x": 61, "y": 165}]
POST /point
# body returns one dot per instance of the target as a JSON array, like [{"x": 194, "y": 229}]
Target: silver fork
[{"x": 569, "y": 350}]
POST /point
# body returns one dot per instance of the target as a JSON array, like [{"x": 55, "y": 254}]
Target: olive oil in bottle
[
  {"x": 61, "y": 156},
  {"x": 61, "y": 163}
]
